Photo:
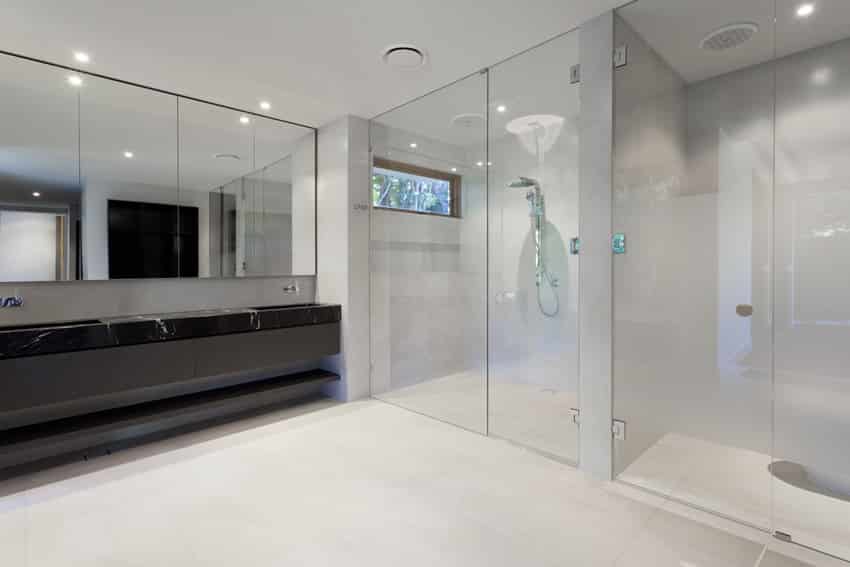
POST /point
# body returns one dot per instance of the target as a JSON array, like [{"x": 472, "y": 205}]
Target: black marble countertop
[{"x": 52, "y": 338}]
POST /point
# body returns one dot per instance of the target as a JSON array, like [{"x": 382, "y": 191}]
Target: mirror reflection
[{"x": 104, "y": 180}]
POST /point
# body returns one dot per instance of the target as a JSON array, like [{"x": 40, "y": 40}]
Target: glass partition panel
[
  {"x": 131, "y": 226},
  {"x": 693, "y": 195},
  {"x": 428, "y": 254},
  {"x": 811, "y": 468},
  {"x": 40, "y": 196},
  {"x": 533, "y": 189}
]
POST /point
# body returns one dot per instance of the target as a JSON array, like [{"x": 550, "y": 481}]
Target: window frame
[{"x": 454, "y": 180}]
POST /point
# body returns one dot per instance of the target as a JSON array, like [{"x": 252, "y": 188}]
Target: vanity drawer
[
  {"x": 49, "y": 387},
  {"x": 265, "y": 350}
]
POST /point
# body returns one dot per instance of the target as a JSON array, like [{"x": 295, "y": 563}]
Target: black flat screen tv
[{"x": 152, "y": 240}]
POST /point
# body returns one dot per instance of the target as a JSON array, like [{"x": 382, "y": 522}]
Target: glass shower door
[
  {"x": 811, "y": 460},
  {"x": 533, "y": 215},
  {"x": 693, "y": 194},
  {"x": 428, "y": 254}
]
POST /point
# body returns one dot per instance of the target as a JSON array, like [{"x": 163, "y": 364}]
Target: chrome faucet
[
  {"x": 11, "y": 301},
  {"x": 291, "y": 288}
]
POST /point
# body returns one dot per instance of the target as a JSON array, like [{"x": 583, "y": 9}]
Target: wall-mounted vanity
[
  {"x": 75, "y": 386},
  {"x": 182, "y": 205}
]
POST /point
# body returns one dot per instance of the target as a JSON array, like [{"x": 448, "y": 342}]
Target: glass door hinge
[
  {"x": 618, "y": 430},
  {"x": 575, "y": 413},
  {"x": 621, "y": 56}
]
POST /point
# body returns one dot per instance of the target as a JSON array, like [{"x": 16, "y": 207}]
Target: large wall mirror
[{"x": 101, "y": 179}]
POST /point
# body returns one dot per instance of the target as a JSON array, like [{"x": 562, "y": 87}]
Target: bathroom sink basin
[
  {"x": 290, "y": 306},
  {"x": 38, "y": 326},
  {"x": 69, "y": 336},
  {"x": 48, "y": 338}
]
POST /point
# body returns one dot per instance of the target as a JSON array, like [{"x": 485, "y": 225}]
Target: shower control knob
[{"x": 744, "y": 310}]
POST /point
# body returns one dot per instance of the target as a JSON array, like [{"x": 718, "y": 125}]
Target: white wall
[
  {"x": 343, "y": 247},
  {"x": 649, "y": 282},
  {"x": 595, "y": 196},
  {"x": 427, "y": 280},
  {"x": 74, "y": 300},
  {"x": 304, "y": 207}
]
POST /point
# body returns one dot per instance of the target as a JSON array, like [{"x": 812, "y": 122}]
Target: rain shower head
[{"x": 524, "y": 183}]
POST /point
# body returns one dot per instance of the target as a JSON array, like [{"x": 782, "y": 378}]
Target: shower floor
[
  {"x": 736, "y": 483},
  {"x": 528, "y": 414}
]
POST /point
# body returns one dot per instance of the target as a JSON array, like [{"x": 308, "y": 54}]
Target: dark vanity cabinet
[{"x": 81, "y": 382}]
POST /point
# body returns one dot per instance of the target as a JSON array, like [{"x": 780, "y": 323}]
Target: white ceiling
[
  {"x": 674, "y": 28},
  {"x": 533, "y": 83},
  {"x": 54, "y": 134},
  {"x": 314, "y": 60}
]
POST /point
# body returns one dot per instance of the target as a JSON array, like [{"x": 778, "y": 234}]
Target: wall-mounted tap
[
  {"x": 291, "y": 288},
  {"x": 11, "y": 301}
]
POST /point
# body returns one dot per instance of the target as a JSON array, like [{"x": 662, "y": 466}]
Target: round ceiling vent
[
  {"x": 729, "y": 36},
  {"x": 403, "y": 56},
  {"x": 468, "y": 120}
]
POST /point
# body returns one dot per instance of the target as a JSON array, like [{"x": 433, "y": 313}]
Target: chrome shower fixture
[
  {"x": 537, "y": 212},
  {"x": 524, "y": 182},
  {"x": 534, "y": 196}
]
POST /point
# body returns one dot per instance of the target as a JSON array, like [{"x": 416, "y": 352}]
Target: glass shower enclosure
[
  {"x": 474, "y": 290},
  {"x": 731, "y": 306},
  {"x": 730, "y": 231}
]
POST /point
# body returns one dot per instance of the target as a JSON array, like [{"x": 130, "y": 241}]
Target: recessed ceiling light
[
  {"x": 81, "y": 57},
  {"x": 244, "y": 120},
  {"x": 480, "y": 164},
  {"x": 501, "y": 108},
  {"x": 403, "y": 56},
  {"x": 413, "y": 145},
  {"x": 454, "y": 169},
  {"x": 128, "y": 154},
  {"x": 36, "y": 194},
  {"x": 265, "y": 105},
  {"x": 489, "y": 163},
  {"x": 75, "y": 80},
  {"x": 805, "y": 10}
]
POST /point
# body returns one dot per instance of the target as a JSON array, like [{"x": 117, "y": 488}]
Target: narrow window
[{"x": 414, "y": 189}]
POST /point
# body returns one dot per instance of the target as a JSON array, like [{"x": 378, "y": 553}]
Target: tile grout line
[
  {"x": 761, "y": 556},
  {"x": 645, "y": 524}
]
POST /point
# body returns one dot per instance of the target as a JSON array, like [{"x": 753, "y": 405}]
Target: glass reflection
[{"x": 40, "y": 192}]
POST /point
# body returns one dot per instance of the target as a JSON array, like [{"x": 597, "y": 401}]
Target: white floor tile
[
  {"x": 736, "y": 483},
  {"x": 670, "y": 539},
  {"x": 357, "y": 484}
]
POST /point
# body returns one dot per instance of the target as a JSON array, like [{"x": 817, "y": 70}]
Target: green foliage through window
[{"x": 406, "y": 191}]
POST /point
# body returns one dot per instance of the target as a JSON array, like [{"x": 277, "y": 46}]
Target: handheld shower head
[{"x": 524, "y": 183}]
